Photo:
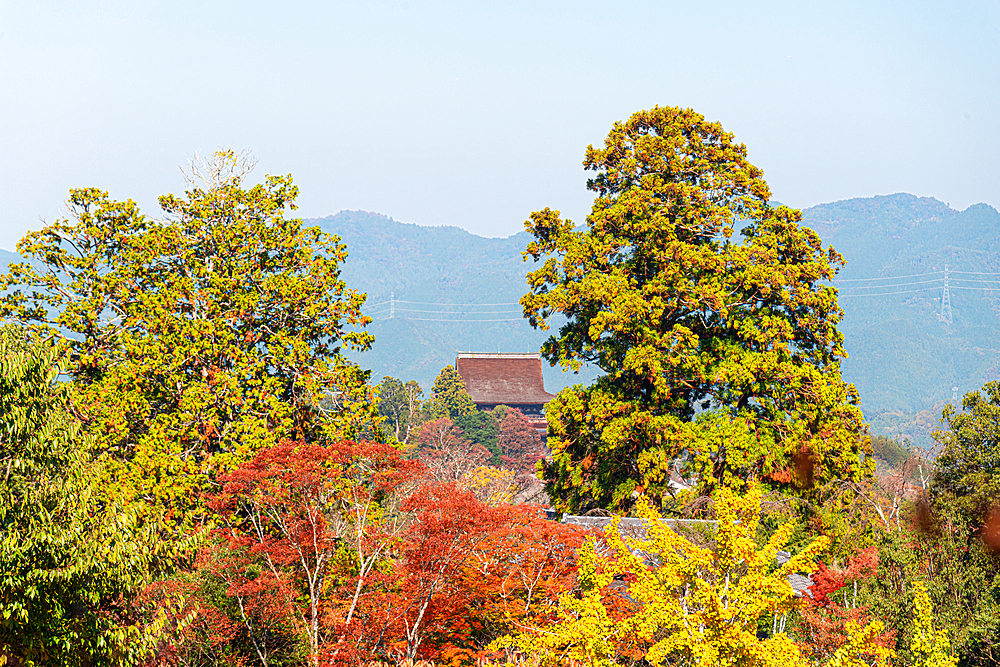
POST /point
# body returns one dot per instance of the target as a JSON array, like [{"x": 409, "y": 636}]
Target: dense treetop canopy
[
  {"x": 721, "y": 358},
  {"x": 196, "y": 339}
]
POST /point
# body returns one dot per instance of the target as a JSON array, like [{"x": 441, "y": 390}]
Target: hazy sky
[{"x": 475, "y": 114}]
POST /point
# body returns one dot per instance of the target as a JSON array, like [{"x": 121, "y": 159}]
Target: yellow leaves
[
  {"x": 684, "y": 603},
  {"x": 681, "y": 320},
  {"x": 584, "y": 630},
  {"x": 493, "y": 486},
  {"x": 861, "y": 642},
  {"x": 929, "y": 646}
]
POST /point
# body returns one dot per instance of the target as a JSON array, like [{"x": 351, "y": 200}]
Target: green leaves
[
  {"x": 449, "y": 397},
  {"x": 200, "y": 339},
  {"x": 685, "y": 322},
  {"x": 966, "y": 482},
  {"x": 71, "y": 559}
]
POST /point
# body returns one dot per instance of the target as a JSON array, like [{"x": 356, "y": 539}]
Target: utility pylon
[
  {"x": 946, "y": 300},
  {"x": 392, "y": 304}
]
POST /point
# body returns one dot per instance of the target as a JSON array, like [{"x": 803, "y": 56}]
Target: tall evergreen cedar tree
[
  {"x": 196, "y": 340},
  {"x": 450, "y": 399},
  {"x": 721, "y": 358}
]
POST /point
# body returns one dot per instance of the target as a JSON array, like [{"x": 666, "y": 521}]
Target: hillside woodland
[
  {"x": 195, "y": 470},
  {"x": 904, "y": 360}
]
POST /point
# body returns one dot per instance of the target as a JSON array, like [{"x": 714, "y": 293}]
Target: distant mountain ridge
[
  {"x": 435, "y": 291},
  {"x": 414, "y": 275},
  {"x": 905, "y": 360},
  {"x": 902, "y": 357}
]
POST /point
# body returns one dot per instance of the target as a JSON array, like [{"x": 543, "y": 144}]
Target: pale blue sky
[{"x": 475, "y": 114}]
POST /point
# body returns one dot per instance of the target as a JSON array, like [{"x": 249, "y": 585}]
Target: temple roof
[{"x": 503, "y": 379}]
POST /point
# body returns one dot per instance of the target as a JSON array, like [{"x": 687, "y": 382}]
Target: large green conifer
[{"x": 721, "y": 358}]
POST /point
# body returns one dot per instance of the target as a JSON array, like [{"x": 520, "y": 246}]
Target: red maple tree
[
  {"x": 286, "y": 517},
  {"x": 520, "y": 442},
  {"x": 833, "y": 601}
]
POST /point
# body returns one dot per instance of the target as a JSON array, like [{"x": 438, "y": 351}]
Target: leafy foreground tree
[
  {"x": 949, "y": 543},
  {"x": 686, "y": 605},
  {"x": 199, "y": 339},
  {"x": 721, "y": 359},
  {"x": 72, "y": 563},
  {"x": 961, "y": 576},
  {"x": 966, "y": 482}
]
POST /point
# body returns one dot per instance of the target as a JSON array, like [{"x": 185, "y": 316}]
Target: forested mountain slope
[
  {"x": 904, "y": 358},
  {"x": 453, "y": 291}
]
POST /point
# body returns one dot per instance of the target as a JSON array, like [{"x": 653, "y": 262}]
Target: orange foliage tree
[
  {"x": 520, "y": 442},
  {"x": 364, "y": 554},
  {"x": 466, "y": 573},
  {"x": 833, "y": 603},
  {"x": 301, "y": 514}
]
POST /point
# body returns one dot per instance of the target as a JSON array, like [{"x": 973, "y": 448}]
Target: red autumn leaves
[
  {"x": 833, "y": 602},
  {"x": 365, "y": 553}
]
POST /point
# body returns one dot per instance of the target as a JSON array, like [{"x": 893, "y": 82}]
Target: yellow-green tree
[
  {"x": 720, "y": 358},
  {"x": 928, "y": 646},
  {"x": 685, "y": 604},
  {"x": 197, "y": 339},
  {"x": 72, "y": 562},
  {"x": 449, "y": 397}
]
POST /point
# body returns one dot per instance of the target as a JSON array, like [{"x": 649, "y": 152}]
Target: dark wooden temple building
[{"x": 505, "y": 379}]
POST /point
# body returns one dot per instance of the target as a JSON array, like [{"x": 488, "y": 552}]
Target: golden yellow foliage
[
  {"x": 493, "y": 486},
  {"x": 685, "y": 604},
  {"x": 929, "y": 646}
]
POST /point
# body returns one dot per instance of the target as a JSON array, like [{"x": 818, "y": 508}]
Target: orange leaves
[
  {"x": 291, "y": 510},
  {"x": 832, "y": 605}
]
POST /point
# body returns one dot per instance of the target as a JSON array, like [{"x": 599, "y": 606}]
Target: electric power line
[
  {"x": 912, "y": 275},
  {"x": 978, "y": 280},
  {"x": 452, "y": 312},
  {"x": 912, "y": 291},
  {"x": 432, "y": 319},
  {"x": 917, "y": 282},
  {"x": 435, "y": 303}
]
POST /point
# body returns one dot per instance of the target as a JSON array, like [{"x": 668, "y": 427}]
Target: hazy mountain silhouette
[
  {"x": 427, "y": 270},
  {"x": 902, "y": 357}
]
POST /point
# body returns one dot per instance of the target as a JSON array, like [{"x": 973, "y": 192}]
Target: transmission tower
[
  {"x": 946, "y": 300},
  {"x": 392, "y": 304}
]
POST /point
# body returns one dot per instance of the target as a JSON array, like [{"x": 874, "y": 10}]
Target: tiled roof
[{"x": 503, "y": 379}]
